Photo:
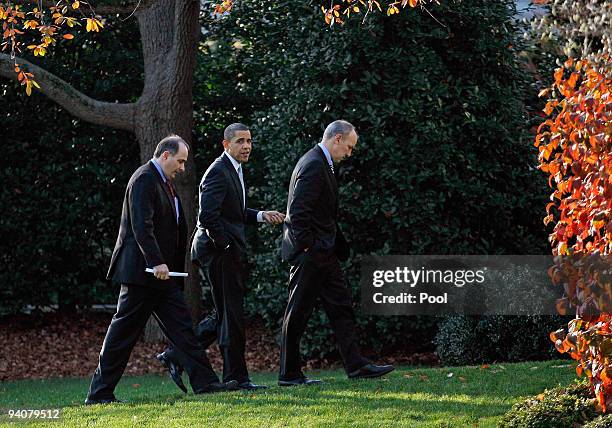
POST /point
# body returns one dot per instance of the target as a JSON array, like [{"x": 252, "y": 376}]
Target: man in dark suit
[
  {"x": 152, "y": 234},
  {"x": 219, "y": 250},
  {"x": 314, "y": 245}
]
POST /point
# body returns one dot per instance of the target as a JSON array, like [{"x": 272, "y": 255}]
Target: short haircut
[
  {"x": 171, "y": 144},
  {"x": 337, "y": 127},
  {"x": 230, "y": 131}
]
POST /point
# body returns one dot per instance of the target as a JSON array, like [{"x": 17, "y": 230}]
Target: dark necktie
[
  {"x": 242, "y": 183},
  {"x": 170, "y": 188}
]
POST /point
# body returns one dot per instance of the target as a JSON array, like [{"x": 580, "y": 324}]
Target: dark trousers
[
  {"x": 135, "y": 306},
  {"x": 206, "y": 329},
  {"x": 225, "y": 273},
  {"x": 206, "y": 333},
  {"x": 317, "y": 275}
]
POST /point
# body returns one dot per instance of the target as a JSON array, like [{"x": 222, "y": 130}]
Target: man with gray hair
[
  {"x": 314, "y": 245},
  {"x": 219, "y": 250}
]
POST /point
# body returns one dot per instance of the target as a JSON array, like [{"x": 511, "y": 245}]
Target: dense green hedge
[
  {"x": 443, "y": 164},
  {"x": 64, "y": 179},
  {"x": 562, "y": 407},
  {"x": 463, "y": 340}
]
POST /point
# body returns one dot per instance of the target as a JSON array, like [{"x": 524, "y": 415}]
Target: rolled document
[{"x": 171, "y": 273}]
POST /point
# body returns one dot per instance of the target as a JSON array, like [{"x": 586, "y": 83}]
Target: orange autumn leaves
[
  {"x": 575, "y": 149},
  {"x": 48, "y": 25},
  {"x": 590, "y": 343},
  {"x": 16, "y": 21},
  {"x": 26, "y": 79},
  {"x": 337, "y": 13},
  {"x": 224, "y": 7}
]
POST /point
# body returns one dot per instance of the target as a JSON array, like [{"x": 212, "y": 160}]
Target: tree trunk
[
  {"x": 169, "y": 30},
  {"x": 169, "y": 42}
]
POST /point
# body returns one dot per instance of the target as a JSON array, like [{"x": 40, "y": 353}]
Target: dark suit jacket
[
  {"x": 312, "y": 209},
  {"x": 148, "y": 234},
  {"x": 222, "y": 213}
]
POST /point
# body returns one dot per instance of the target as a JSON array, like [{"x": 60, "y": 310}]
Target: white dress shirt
[{"x": 238, "y": 166}]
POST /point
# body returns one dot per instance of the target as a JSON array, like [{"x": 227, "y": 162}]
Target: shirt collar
[
  {"x": 232, "y": 160},
  {"x": 326, "y": 153},
  {"x": 159, "y": 169}
]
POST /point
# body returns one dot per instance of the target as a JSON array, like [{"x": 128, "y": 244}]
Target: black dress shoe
[
  {"x": 299, "y": 381},
  {"x": 370, "y": 371},
  {"x": 250, "y": 386},
  {"x": 92, "y": 401},
  {"x": 214, "y": 387},
  {"x": 174, "y": 369}
]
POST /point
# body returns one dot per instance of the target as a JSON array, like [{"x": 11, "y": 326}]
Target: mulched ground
[{"x": 54, "y": 346}]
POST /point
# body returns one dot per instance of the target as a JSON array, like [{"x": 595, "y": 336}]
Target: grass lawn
[{"x": 411, "y": 397}]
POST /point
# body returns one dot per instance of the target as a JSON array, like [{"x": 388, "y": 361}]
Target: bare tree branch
[
  {"x": 114, "y": 115},
  {"x": 100, "y": 9}
]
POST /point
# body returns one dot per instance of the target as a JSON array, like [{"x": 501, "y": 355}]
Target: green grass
[{"x": 411, "y": 397}]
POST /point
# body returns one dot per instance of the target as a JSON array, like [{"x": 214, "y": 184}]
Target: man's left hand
[{"x": 273, "y": 217}]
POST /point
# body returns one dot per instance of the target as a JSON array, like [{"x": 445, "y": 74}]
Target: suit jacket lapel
[
  {"x": 245, "y": 194},
  {"x": 181, "y": 212},
  {"x": 331, "y": 179},
  {"x": 182, "y": 220},
  {"x": 235, "y": 179}
]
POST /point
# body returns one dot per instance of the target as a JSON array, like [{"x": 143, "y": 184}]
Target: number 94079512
[{"x": 34, "y": 413}]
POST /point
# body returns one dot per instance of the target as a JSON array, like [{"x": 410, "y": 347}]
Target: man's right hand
[
  {"x": 161, "y": 272},
  {"x": 273, "y": 217}
]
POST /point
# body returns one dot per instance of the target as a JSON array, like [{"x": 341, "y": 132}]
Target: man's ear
[{"x": 226, "y": 144}]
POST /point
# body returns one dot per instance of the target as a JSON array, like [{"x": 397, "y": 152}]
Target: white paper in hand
[{"x": 171, "y": 273}]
